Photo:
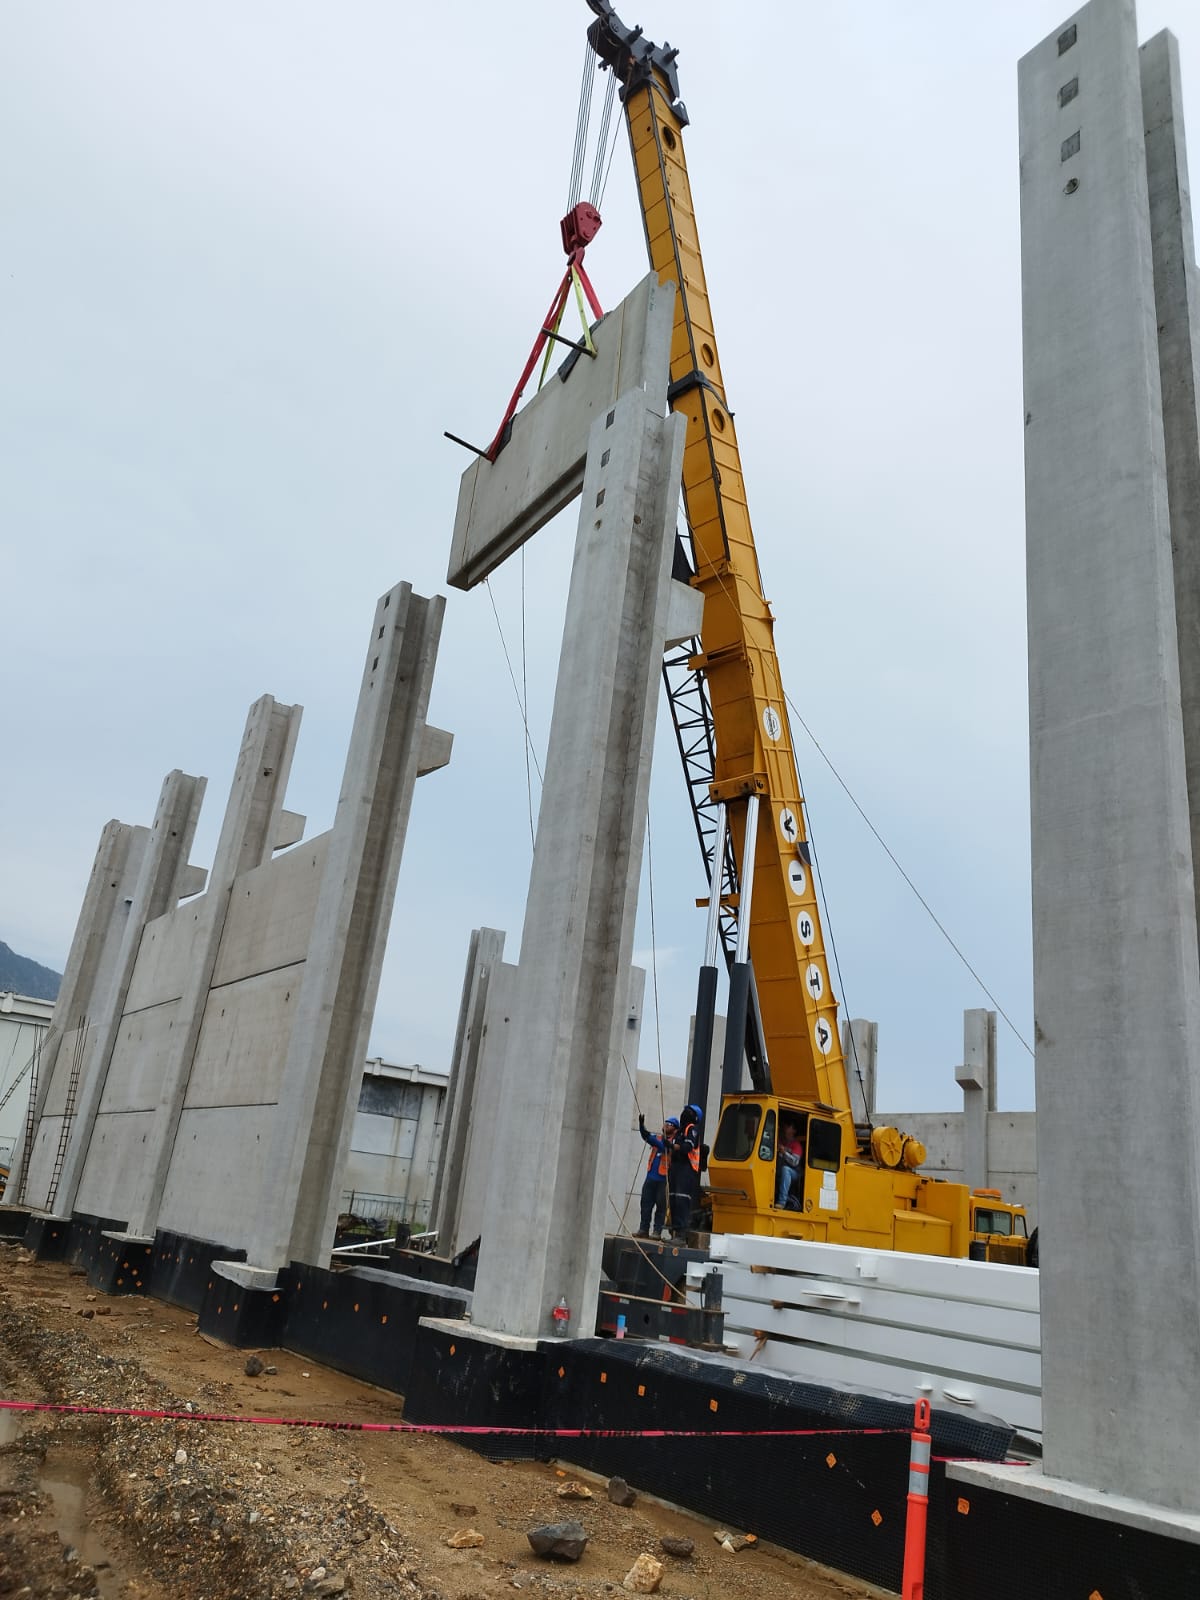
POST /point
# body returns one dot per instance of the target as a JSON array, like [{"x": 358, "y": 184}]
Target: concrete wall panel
[
  {"x": 270, "y": 914},
  {"x": 113, "y": 1161},
  {"x": 244, "y": 1040},
  {"x": 215, "y": 1184},
  {"x": 168, "y": 950},
  {"x": 392, "y": 1137},
  {"x": 134, "y": 1074}
]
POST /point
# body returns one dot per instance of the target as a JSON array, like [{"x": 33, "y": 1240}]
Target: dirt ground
[{"x": 132, "y": 1509}]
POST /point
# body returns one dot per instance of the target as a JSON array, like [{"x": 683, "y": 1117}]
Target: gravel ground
[{"x": 129, "y": 1509}]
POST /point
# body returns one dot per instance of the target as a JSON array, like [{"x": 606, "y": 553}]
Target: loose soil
[{"x": 130, "y": 1509}]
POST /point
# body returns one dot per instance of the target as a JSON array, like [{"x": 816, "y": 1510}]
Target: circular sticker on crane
[
  {"x": 772, "y": 725},
  {"x": 788, "y": 825},
  {"x": 797, "y": 877},
  {"x": 805, "y": 928},
  {"x": 814, "y": 980},
  {"x": 823, "y": 1034}
]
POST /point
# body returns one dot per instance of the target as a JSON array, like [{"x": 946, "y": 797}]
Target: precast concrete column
[
  {"x": 70, "y": 1037},
  {"x": 545, "y": 1217},
  {"x": 248, "y": 833},
  {"x": 1175, "y": 296},
  {"x": 626, "y": 1164},
  {"x": 418, "y": 1190},
  {"x": 1116, "y": 981},
  {"x": 484, "y": 954},
  {"x": 162, "y": 876},
  {"x": 977, "y": 1079},
  {"x": 466, "y": 1222},
  {"x": 860, "y": 1051},
  {"x": 390, "y": 746}
]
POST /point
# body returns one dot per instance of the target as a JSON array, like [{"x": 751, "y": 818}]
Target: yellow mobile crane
[{"x": 857, "y": 1184}]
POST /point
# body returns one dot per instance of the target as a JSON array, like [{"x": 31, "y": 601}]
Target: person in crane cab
[
  {"x": 791, "y": 1164},
  {"x": 685, "y": 1168},
  {"x": 654, "y": 1188}
]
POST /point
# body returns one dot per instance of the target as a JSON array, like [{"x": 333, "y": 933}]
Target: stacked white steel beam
[{"x": 967, "y": 1333}]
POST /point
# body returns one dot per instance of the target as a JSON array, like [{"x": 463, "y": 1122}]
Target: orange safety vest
[{"x": 663, "y": 1160}]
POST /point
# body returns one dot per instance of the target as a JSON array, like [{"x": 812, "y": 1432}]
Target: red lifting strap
[{"x": 579, "y": 227}]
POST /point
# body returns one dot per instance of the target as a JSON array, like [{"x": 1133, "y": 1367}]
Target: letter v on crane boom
[{"x": 859, "y": 1184}]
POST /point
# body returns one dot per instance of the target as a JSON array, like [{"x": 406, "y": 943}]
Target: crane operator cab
[
  {"x": 807, "y": 1172},
  {"x": 777, "y": 1160}
]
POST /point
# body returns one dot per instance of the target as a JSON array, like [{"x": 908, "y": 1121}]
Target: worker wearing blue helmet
[
  {"x": 654, "y": 1186},
  {"x": 685, "y": 1168}
]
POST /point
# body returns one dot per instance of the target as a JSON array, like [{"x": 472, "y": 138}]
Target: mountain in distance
[{"x": 20, "y": 975}]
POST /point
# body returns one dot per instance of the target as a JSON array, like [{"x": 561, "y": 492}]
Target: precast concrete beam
[
  {"x": 502, "y": 503},
  {"x": 548, "y": 1193},
  {"x": 1116, "y": 980}
]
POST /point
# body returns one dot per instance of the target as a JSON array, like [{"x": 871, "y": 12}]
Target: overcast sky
[{"x": 257, "y": 257}]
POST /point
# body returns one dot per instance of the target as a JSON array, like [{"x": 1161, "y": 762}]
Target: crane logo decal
[
  {"x": 824, "y": 1036},
  {"x": 797, "y": 878},
  {"x": 805, "y": 929},
  {"x": 814, "y": 980},
  {"x": 772, "y": 726},
  {"x": 788, "y": 825}
]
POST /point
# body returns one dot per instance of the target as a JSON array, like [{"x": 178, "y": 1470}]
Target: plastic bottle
[{"x": 560, "y": 1316}]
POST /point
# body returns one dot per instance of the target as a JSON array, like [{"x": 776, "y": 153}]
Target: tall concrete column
[
  {"x": 418, "y": 1188},
  {"x": 977, "y": 1080},
  {"x": 391, "y": 745},
  {"x": 485, "y": 953},
  {"x": 98, "y": 932},
  {"x": 248, "y": 834},
  {"x": 624, "y": 1175},
  {"x": 860, "y": 1051},
  {"x": 1175, "y": 297},
  {"x": 163, "y": 875},
  {"x": 1116, "y": 980},
  {"x": 465, "y": 1222},
  {"x": 548, "y": 1196}
]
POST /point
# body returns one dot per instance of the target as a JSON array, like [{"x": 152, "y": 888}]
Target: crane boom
[{"x": 754, "y": 754}]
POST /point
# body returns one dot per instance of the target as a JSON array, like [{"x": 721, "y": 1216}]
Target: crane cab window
[
  {"x": 824, "y": 1145},
  {"x": 993, "y": 1222},
  {"x": 738, "y": 1131}
]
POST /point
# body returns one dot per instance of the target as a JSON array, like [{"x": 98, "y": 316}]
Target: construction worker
[
  {"x": 790, "y": 1165},
  {"x": 654, "y": 1187},
  {"x": 685, "y": 1169}
]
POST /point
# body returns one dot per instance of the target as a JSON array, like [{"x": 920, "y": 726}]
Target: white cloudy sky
[{"x": 256, "y": 257}]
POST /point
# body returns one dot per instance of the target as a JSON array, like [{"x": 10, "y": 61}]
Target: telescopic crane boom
[
  {"x": 854, "y": 1184},
  {"x": 754, "y": 756}
]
